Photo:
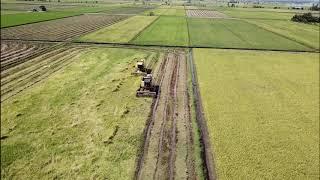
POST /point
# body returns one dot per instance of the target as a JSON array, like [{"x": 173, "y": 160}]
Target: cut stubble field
[
  {"x": 262, "y": 111},
  {"x": 83, "y": 121}
]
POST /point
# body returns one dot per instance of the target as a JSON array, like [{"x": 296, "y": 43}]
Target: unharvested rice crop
[{"x": 262, "y": 111}]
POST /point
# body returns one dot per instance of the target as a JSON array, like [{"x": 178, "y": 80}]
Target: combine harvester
[
  {"x": 141, "y": 69},
  {"x": 147, "y": 88}
]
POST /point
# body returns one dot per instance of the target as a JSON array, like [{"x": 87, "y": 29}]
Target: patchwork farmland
[{"x": 109, "y": 90}]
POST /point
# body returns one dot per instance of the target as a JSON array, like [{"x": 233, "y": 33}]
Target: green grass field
[
  {"x": 122, "y": 31},
  {"x": 63, "y": 127},
  {"x": 307, "y": 34},
  {"x": 262, "y": 111},
  {"x": 224, "y": 33},
  {"x": 165, "y": 31}
]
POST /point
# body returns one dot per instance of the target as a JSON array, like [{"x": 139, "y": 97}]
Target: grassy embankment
[
  {"x": 262, "y": 111},
  {"x": 84, "y": 121}
]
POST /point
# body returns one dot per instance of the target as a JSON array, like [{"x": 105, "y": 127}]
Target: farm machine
[
  {"x": 141, "y": 69},
  {"x": 147, "y": 88}
]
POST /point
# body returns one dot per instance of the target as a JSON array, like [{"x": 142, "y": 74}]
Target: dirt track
[{"x": 168, "y": 144}]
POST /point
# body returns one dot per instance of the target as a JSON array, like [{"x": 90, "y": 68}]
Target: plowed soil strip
[{"x": 167, "y": 129}]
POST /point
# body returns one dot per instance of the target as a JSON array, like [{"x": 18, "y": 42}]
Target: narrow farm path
[{"x": 168, "y": 144}]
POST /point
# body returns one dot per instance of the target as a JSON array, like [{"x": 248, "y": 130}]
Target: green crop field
[
  {"x": 175, "y": 12},
  {"x": 262, "y": 111},
  {"x": 307, "y": 34},
  {"x": 165, "y": 31},
  {"x": 123, "y": 31},
  {"x": 157, "y": 11},
  {"x": 236, "y": 34},
  {"x": 83, "y": 121}
]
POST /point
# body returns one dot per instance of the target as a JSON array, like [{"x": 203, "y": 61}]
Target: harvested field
[
  {"x": 201, "y": 13},
  {"x": 61, "y": 29},
  {"x": 168, "y": 149},
  {"x": 15, "y": 52},
  {"x": 82, "y": 121},
  {"x": 27, "y": 73}
]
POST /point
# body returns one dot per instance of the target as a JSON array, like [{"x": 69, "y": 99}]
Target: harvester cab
[
  {"x": 147, "y": 88},
  {"x": 140, "y": 66},
  {"x": 141, "y": 69}
]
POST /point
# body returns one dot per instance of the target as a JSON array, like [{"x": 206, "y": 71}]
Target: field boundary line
[
  {"x": 202, "y": 123},
  {"x": 189, "y": 36},
  {"x": 138, "y": 34},
  {"x": 163, "y": 46},
  {"x": 284, "y": 36}
]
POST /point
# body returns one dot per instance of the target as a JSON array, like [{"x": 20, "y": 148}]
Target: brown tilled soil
[
  {"x": 167, "y": 152},
  {"x": 205, "y": 13},
  {"x": 62, "y": 29}
]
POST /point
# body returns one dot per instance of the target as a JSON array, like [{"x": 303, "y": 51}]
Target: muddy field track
[
  {"x": 61, "y": 29},
  {"x": 167, "y": 151},
  {"x": 24, "y": 75},
  {"x": 201, "y": 13},
  {"x": 14, "y": 53}
]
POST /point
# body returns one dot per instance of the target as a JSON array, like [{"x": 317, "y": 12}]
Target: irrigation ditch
[{"x": 202, "y": 123}]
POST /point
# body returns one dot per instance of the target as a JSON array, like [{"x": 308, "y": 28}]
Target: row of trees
[{"x": 305, "y": 18}]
